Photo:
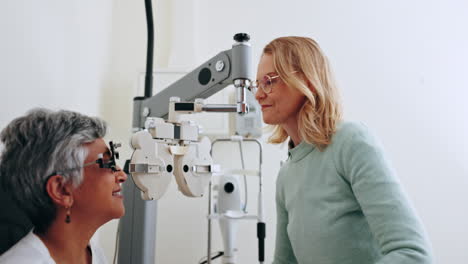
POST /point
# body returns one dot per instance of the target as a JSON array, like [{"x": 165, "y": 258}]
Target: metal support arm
[{"x": 228, "y": 67}]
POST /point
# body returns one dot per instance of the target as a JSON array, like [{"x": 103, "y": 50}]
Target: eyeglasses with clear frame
[{"x": 266, "y": 84}]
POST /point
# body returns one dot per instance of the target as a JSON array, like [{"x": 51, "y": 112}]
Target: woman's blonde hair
[{"x": 318, "y": 117}]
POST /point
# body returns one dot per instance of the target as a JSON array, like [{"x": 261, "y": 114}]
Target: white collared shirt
[{"x": 30, "y": 249}]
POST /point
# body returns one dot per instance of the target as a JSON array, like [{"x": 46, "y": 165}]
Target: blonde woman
[{"x": 338, "y": 200}]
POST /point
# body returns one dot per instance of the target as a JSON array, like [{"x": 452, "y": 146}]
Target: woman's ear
[{"x": 59, "y": 191}]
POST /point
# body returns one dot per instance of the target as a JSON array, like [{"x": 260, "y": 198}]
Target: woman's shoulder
[
  {"x": 29, "y": 249},
  {"x": 351, "y": 130},
  {"x": 352, "y": 135}
]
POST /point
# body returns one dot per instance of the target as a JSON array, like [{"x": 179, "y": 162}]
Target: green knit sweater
[{"x": 345, "y": 205}]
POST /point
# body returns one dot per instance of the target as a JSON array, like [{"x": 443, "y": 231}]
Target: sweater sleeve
[
  {"x": 392, "y": 220},
  {"x": 283, "y": 250}
]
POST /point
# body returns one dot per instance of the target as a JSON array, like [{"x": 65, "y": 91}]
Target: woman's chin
[
  {"x": 121, "y": 213},
  {"x": 269, "y": 121},
  {"x": 118, "y": 213}
]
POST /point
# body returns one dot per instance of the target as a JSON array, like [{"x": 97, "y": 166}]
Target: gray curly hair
[{"x": 39, "y": 144}]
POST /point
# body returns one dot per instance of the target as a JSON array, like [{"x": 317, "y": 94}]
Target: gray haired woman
[{"x": 64, "y": 177}]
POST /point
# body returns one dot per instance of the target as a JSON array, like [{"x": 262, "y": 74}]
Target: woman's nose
[
  {"x": 260, "y": 94},
  {"x": 121, "y": 175}
]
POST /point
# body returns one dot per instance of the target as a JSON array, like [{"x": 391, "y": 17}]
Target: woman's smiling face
[
  {"x": 99, "y": 195},
  {"x": 282, "y": 104}
]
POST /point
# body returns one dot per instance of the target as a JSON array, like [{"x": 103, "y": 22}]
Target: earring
[{"x": 67, "y": 218}]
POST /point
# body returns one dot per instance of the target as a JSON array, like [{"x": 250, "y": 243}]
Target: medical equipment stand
[{"x": 238, "y": 215}]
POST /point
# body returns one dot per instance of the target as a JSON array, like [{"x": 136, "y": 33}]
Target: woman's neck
[
  {"x": 68, "y": 242},
  {"x": 292, "y": 130}
]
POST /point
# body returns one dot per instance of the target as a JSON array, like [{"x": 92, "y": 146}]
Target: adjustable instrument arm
[{"x": 232, "y": 66}]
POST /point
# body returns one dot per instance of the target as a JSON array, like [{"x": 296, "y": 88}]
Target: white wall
[
  {"x": 52, "y": 54},
  {"x": 400, "y": 65}
]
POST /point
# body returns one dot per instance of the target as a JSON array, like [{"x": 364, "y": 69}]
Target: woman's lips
[
  {"x": 265, "y": 107},
  {"x": 117, "y": 194}
]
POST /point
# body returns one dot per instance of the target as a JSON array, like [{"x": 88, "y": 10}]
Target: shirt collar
[{"x": 296, "y": 153}]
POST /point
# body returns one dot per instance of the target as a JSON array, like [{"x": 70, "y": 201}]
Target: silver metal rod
[
  {"x": 220, "y": 108},
  {"x": 245, "y": 177},
  {"x": 208, "y": 255},
  {"x": 241, "y": 93}
]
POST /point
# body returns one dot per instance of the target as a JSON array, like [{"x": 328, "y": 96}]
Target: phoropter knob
[{"x": 241, "y": 37}]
